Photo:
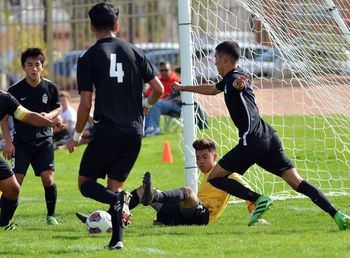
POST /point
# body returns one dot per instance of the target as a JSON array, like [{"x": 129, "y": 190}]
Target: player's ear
[
  {"x": 116, "y": 27},
  {"x": 92, "y": 28}
]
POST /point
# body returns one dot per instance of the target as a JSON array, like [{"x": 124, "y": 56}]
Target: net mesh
[{"x": 298, "y": 54}]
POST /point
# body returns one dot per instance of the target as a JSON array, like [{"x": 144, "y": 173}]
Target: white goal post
[{"x": 298, "y": 53}]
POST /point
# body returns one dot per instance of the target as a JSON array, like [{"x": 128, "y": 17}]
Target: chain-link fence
[{"x": 62, "y": 29}]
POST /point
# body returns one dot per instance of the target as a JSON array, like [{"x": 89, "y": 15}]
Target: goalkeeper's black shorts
[{"x": 171, "y": 215}]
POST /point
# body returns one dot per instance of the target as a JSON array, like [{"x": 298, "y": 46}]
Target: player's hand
[
  {"x": 71, "y": 144},
  {"x": 9, "y": 151},
  {"x": 240, "y": 83},
  {"x": 175, "y": 86},
  {"x": 145, "y": 111}
]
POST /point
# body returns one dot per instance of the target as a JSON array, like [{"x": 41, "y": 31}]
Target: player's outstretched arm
[
  {"x": 204, "y": 89},
  {"x": 36, "y": 119},
  {"x": 82, "y": 117},
  {"x": 9, "y": 148}
]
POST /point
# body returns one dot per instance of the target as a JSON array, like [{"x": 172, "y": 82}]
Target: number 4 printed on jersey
[{"x": 116, "y": 69}]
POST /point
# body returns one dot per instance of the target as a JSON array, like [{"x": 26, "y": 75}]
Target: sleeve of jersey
[
  {"x": 221, "y": 85},
  {"x": 84, "y": 74},
  {"x": 55, "y": 102}
]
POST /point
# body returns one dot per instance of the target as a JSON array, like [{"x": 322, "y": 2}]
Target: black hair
[
  {"x": 36, "y": 53},
  {"x": 204, "y": 144},
  {"x": 229, "y": 48},
  {"x": 104, "y": 16}
]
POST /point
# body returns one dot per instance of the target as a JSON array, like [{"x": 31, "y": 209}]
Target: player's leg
[
  {"x": 43, "y": 165},
  {"x": 150, "y": 195},
  {"x": 47, "y": 178},
  {"x": 300, "y": 185},
  {"x": 9, "y": 198},
  {"x": 238, "y": 160}
]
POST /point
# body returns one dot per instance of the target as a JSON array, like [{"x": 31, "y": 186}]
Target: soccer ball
[{"x": 99, "y": 222}]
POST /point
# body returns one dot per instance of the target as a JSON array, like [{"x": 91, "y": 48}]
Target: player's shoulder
[
  {"x": 49, "y": 83},
  {"x": 16, "y": 86}
]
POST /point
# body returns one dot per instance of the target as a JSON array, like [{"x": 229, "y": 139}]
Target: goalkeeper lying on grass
[{"x": 182, "y": 206}]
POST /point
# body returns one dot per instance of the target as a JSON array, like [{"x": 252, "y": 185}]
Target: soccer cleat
[
  {"x": 342, "y": 220},
  {"x": 122, "y": 208},
  {"x": 81, "y": 216},
  {"x": 9, "y": 227},
  {"x": 261, "y": 206},
  {"x": 51, "y": 220},
  {"x": 118, "y": 245},
  {"x": 148, "y": 194}
]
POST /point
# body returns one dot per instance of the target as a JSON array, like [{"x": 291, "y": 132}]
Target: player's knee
[
  {"x": 12, "y": 192},
  {"x": 189, "y": 193}
]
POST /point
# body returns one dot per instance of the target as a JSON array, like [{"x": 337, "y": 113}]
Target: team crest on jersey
[{"x": 45, "y": 98}]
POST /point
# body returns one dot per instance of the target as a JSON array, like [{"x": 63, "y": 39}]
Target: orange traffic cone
[{"x": 167, "y": 156}]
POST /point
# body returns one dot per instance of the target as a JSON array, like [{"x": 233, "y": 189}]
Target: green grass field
[{"x": 297, "y": 227}]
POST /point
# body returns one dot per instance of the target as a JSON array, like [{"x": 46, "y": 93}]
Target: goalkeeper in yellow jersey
[{"x": 182, "y": 206}]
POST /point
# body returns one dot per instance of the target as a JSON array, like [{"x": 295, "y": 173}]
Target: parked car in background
[
  {"x": 272, "y": 64},
  {"x": 167, "y": 55},
  {"x": 204, "y": 60},
  {"x": 64, "y": 69}
]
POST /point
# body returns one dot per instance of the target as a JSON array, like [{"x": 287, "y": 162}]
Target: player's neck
[
  {"x": 32, "y": 82},
  {"x": 105, "y": 34}
]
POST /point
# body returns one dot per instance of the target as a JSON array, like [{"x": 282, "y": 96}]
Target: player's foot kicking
[
  {"x": 261, "y": 206},
  {"x": 81, "y": 216},
  {"x": 51, "y": 220},
  {"x": 149, "y": 192},
  {"x": 342, "y": 220}
]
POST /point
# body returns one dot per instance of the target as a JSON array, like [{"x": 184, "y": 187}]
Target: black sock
[
  {"x": 50, "y": 198},
  {"x": 98, "y": 192},
  {"x": 171, "y": 196},
  {"x": 8, "y": 208},
  {"x": 317, "y": 197},
  {"x": 234, "y": 188},
  {"x": 117, "y": 233},
  {"x": 135, "y": 200}
]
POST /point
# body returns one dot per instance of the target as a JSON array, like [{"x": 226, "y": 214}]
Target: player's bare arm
[
  {"x": 53, "y": 114},
  {"x": 9, "y": 148},
  {"x": 204, "y": 89},
  {"x": 82, "y": 117},
  {"x": 157, "y": 91}
]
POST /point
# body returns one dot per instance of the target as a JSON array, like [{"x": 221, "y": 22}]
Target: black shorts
[
  {"x": 110, "y": 153},
  {"x": 170, "y": 215},
  {"x": 40, "y": 157},
  {"x": 5, "y": 171},
  {"x": 267, "y": 153}
]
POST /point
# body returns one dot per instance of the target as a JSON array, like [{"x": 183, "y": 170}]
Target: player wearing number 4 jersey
[
  {"x": 117, "y": 71},
  {"x": 258, "y": 141}
]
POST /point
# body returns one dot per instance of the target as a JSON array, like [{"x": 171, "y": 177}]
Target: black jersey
[
  {"x": 117, "y": 70},
  {"x": 8, "y": 104},
  {"x": 242, "y": 107},
  {"x": 42, "y": 98}
]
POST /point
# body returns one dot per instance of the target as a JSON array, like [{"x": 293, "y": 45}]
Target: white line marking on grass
[
  {"x": 149, "y": 251},
  {"x": 303, "y": 209},
  {"x": 85, "y": 247}
]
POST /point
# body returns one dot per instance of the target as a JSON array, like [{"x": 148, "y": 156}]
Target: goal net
[{"x": 298, "y": 52}]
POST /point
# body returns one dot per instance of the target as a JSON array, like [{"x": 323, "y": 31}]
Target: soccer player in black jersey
[
  {"x": 8, "y": 183},
  {"x": 258, "y": 143},
  {"x": 117, "y": 71},
  {"x": 33, "y": 145}
]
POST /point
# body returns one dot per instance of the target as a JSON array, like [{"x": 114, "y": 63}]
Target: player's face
[
  {"x": 219, "y": 62},
  {"x": 33, "y": 68},
  {"x": 205, "y": 160}
]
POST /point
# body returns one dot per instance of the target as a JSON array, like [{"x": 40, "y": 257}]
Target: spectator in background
[
  {"x": 68, "y": 115},
  {"x": 169, "y": 102}
]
